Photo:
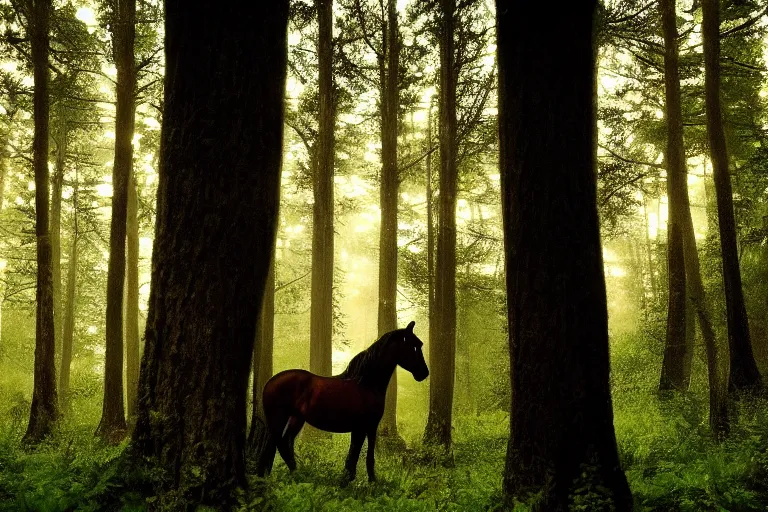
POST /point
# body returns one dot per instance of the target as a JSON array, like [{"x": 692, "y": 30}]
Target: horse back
[{"x": 328, "y": 403}]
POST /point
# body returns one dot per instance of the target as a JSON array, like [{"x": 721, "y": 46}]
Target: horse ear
[{"x": 410, "y": 326}]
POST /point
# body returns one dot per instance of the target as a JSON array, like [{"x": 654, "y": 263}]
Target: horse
[{"x": 352, "y": 401}]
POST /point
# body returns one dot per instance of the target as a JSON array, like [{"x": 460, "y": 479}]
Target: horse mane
[{"x": 361, "y": 365}]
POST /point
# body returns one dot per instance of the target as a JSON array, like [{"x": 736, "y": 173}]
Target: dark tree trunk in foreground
[
  {"x": 673, "y": 375},
  {"x": 68, "y": 330},
  {"x": 221, "y": 146},
  {"x": 680, "y": 210},
  {"x": 132, "y": 360},
  {"x": 442, "y": 349},
  {"x": 561, "y": 416},
  {"x": 744, "y": 374},
  {"x": 321, "y": 313},
  {"x": 389, "y": 63},
  {"x": 262, "y": 363},
  {"x": 44, "y": 412},
  {"x": 112, "y": 426}
]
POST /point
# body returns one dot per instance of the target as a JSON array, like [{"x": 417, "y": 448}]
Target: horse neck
[{"x": 379, "y": 376}]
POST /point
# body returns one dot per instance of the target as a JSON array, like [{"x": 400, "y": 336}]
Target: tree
[
  {"x": 561, "y": 419},
  {"x": 680, "y": 213},
  {"x": 321, "y": 313},
  {"x": 442, "y": 349},
  {"x": 743, "y": 372},
  {"x": 389, "y": 87},
  {"x": 673, "y": 372},
  {"x": 112, "y": 426},
  {"x": 262, "y": 363},
  {"x": 68, "y": 329},
  {"x": 222, "y": 146},
  {"x": 44, "y": 412},
  {"x": 57, "y": 183},
  {"x": 132, "y": 297},
  {"x": 373, "y": 28}
]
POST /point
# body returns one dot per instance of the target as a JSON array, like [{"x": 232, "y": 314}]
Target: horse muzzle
[{"x": 421, "y": 376}]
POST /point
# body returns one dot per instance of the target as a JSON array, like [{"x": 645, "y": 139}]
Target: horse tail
[{"x": 267, "y": 454}]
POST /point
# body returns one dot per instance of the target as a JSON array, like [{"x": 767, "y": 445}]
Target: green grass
[
  {"x": 405, "y": 482},
  {"x": 672, "y": 466},
  {"x": 670, "y": 460}
]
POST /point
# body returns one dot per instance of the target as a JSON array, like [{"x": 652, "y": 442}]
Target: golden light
[{"x": 87, "y": 16}]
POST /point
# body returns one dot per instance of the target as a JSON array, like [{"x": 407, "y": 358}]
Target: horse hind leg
[{"x": 285, "y": 445}]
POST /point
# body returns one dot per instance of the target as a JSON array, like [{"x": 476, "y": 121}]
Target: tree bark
[
  {"x": 263, "y": 349},
  {"x": 112, "y": 426},
  {"x": 132, "y": 350},
  {"x": 3, "y": 178},
  {"x": 68, "y": 331},
  {"x": 673, "y": 367},
  {"x": 44, "y": 412},
  {"x": 743, "y": 374},
  {"x": 442, "y": 350},
  {"x": 649, "y": 252},
  {"x": 321, "y": 311},
  {"x": 389, "y": 63},
  {"x": 561, "y": 421},
  {"x": 55, "y": 229},
  {"x": 680, "y": 209},
  {"x": 430, "y": 232},
  {"x": 221, "y": 148}
]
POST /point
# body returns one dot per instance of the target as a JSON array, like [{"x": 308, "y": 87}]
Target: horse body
[
  {"x": 350, "y": 402},
  {"x": 327, "y": 403}
]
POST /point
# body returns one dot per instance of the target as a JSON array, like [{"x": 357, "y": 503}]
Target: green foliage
[
  {"x": 589, "y": 493},
  {"x": 404, "y": 483},
  {"x": 70, "y": 472},
  {"x": 665, "y": 446},
  {"x": 669, "y": 458}
]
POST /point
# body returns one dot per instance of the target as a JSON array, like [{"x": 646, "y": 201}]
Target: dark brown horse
[{"x": 350, "y": 402}]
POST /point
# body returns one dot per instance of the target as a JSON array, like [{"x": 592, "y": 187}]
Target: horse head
[{"x": 408, "y": 353}]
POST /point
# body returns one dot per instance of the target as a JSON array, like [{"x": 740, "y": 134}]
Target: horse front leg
[
  {"x": 350, "y": 467},
  {"x": 369, "y": 457}
]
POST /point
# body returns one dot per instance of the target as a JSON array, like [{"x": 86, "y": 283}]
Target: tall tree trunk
[
  {"x": 442, "y": 350},
  {"x": 3, "y": 178},
  {"x": 389, "y": 63},
  {"x": 113, "y": 426},
  {"x": 262, "y": 363},
  {"x": 222, "y": 147},
  {"x": 673, "y": 366},
  {"x": 3, "y": 170},
  {"x": 680, "y": 210},
  {"x": 430, "y": 233},
  {"x": 743, "y": 374},
  {"x": 561, "y": 417},
  {"x": 68, "y": 331},
  {"x": 55, "y": 229},
  {"x": 321, "y": 312},
  {"x": 44, "y": 412},
  {"x": 132, "y": 360},
  {"x": 649, "y": 251}
]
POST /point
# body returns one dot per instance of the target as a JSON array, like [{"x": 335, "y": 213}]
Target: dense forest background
[{"x": 390, "y": 210}]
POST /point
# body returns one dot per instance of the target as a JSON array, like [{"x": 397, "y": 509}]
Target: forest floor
[
  {"x": 670, "y": 463},
  {"x": 670, "y": 460}
]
